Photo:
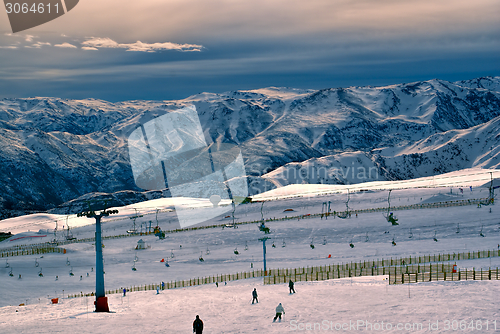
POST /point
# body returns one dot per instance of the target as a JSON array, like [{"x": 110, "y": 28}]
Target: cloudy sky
[{"x": 170, "y": 49}]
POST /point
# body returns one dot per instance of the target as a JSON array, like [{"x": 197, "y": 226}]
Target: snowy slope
[
  {"x": 228, "y": 308},
  {"x": 369, "y": 232},
  {"x": 55, "y": 150},
  {"x": 442, "y": 152}
]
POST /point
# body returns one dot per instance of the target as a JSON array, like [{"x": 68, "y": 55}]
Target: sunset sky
[{"x": 170, "y": 49}]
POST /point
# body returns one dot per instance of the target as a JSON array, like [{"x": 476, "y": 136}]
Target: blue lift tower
[{"x": 101, "y": 301}]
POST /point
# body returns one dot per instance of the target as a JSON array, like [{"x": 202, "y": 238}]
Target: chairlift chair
[
  {"x": 390, "y": 216},
  {"x": 324, "y": 241},
  {"x": 312, "y": 243},
  {"x": 345, "y": 214},
  {"x": 392, "y": 219},
  {"x": 236, "y": 251},
  {"x": 435, "y": 236},
  {"x": 351, "y": 244},
  {"x": 264, "y": 228},
  {"x": 393, "y": 242},
  {"x": 201, "y": 257},
  {"x": 284, "y": 244}
]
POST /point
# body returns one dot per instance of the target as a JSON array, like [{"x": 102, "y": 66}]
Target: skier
[
  {"x": 290, "y": 286},
  {"x": 254, "y": 295},
  {"x": 198, "y": 325},
  {"x": 124, "y": 292},
  {"x": 279, "y": 310}
]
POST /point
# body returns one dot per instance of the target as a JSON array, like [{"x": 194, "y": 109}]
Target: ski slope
[{"x": 227, "y": 309}]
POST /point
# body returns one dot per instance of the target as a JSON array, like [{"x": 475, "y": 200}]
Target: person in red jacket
[{"x": 198, "y": 325}]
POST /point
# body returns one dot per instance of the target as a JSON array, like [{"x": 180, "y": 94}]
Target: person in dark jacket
[
  {"x": 198, "y": 325},
  {"x": 290, "y": 286},
  {"x": 254, "y": 295}
]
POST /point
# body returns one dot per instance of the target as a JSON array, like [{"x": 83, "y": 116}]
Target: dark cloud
[{"x": 245, "y": 45}]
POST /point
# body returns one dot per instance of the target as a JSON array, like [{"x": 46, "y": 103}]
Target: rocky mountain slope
[{"x": 55, "y": 150}]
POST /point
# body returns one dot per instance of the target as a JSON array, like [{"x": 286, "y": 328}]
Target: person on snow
[
  {"x": 290, "y": 286},
  {"x": 198, "y": 325},
  {"x": 279, "y": 311},
  {"x": 254, "y": 295}
]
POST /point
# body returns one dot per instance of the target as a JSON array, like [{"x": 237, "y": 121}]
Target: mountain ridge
[{"x": 56, "y": 150}]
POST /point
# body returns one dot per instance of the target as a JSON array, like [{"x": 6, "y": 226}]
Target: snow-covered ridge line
[
  {"x": 56, "y": 150},
  {"x": 466, "y": 178}
]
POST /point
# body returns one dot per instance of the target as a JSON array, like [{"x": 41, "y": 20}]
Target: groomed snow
[{"x": 228, "y": 309}]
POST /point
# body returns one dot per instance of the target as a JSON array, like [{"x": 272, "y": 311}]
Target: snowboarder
[
  {"x": 254, "y": 295},
  {"x": 198, "y": 325},
  {"x": 279, "y": 311},
  {"x": 290, "y": 286}
]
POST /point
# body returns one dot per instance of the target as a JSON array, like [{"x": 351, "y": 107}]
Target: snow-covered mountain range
[{"x": 55, "y": 150}]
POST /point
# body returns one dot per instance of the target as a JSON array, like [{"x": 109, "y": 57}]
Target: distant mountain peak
[{"x": 55, "y": 150}]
